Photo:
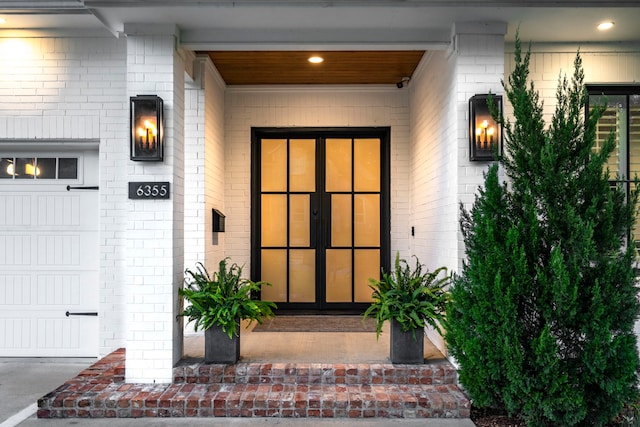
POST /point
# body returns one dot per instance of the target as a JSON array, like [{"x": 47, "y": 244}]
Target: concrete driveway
[{"x": 24, "y": 380}]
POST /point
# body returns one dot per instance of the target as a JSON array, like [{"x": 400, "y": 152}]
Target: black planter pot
[
  {"x": 219, "y": 348},
  {"x": 405, "y": 348}
]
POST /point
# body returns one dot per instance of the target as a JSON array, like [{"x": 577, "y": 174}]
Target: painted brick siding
[
  {"x": 441, "y": 174},
  {"x": 204, "y": 171},
  {"x": 479, "y": 69},
  {"x": 155, "y": 228},
  {"x": 194, "y": 186},
  {"x": 308, "y": 106},
  {"x": 434, "y": 162},
  {"x": 74, "y": 89},
  {"x": 215, "y": 166},
  {"x": 204, "y": 131},
  {"x": 601, "y": 63}
]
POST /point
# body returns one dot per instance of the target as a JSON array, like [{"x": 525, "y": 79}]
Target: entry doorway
[{"x": 320, "y": 215}]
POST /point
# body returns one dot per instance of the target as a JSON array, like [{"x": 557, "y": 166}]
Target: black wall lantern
[
  {"x": 485, "y": 134},
  {"x": 147, "y": 128}
]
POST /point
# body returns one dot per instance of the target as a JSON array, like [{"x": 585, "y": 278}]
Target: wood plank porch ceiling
[{"x": 292, "y": 67}]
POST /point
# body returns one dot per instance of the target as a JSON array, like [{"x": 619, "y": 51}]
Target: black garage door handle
[
  {"x": 92, "y": 313},
  {"x": 69, "y": 188}
]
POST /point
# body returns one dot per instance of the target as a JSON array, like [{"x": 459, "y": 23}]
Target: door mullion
[
  {"x": 353, "y": 219},
  {"x": 321, "y": 257},
  {"x": 288, "y": 195}
]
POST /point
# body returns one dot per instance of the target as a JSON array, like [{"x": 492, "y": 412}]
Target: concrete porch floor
[{"x": 309, "y": 347}]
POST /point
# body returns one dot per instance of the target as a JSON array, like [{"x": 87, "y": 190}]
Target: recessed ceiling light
[
  {"x": 315, "y": 59},
  {"x": 2, "y": 21},
  {"x": 603, "y": 26}
]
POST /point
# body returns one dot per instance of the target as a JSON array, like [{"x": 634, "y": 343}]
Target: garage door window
[{"x": 40, "y": 168}]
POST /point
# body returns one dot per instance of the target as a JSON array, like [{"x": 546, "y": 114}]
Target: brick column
[
  {"x": 473, "y": 64},
  {"x": 477, "y": 50},
  {"x": 155, "y": 228}
]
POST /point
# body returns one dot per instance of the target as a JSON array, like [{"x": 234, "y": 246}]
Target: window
[
  {"x": 622, "y": 118},
  {"x": 38, "y": 168}
]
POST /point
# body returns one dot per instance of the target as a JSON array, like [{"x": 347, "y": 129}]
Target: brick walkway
[{"x": 262, "y": 390}]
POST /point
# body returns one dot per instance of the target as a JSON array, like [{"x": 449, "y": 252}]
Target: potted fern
[
  {"x": 218, "y": 303},
  {"x": 410, "y": 298}
]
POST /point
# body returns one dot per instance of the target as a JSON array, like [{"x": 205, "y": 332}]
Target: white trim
[
  {"x": 368, "y": 46},
  {"x": 312, "y": 88},
  {"x": 56, "y": 32},
  {"x": 22, "y": 145},
  {"x": 537, "y": 47}
]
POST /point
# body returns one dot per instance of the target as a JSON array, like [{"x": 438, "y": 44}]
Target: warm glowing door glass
[{"x": 320, "y": 233}]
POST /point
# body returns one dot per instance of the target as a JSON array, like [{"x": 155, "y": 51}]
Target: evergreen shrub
[{"x": 542, "y": 314}]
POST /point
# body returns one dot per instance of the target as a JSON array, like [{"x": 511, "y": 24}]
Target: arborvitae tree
[{"x": 542, "y": 314}]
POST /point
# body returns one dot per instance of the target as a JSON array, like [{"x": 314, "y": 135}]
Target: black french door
[{"x": 320, "y": 215}]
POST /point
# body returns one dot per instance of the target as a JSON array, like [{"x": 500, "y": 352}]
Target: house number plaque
[{"x": 148, "y": 190}]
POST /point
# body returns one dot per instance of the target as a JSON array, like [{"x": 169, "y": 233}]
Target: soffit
[{"x": 339, "y": 67}]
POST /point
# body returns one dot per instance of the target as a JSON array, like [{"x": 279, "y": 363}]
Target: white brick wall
[
  {"x": 74, "y": 89},
  {"x": 308, "y": 107},
  {"x": 155, "y": 228},
  {"x": 602, "y": 64},
  {"x": 204, "y": 171},
  {"x": 56, "y": 88},
  {"x": 441, "y": 174},
  {"x": 195, "y": 166},
  {"x": 434, "y": 162},
  {"x": 479, "y": 69},
  {"x": 215, "y": 165}
]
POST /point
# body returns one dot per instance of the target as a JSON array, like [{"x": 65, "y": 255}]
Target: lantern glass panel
[
  {"x": 485, "y": 134},
  {"x": 146, "y": 128}
]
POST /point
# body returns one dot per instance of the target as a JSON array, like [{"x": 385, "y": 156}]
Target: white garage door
[{"x": 48, "y": 254}]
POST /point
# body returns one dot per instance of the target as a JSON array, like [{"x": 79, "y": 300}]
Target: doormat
[{"x": 316, "y": 324}]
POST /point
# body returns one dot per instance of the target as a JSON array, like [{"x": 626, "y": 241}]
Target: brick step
[
  {"x": 258, "y": 400},
  {"x": 440, "y": 372},
  {"x": 262, "y": 390}
]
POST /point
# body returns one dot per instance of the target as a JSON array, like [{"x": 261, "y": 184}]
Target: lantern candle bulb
[
  {"x": 147, "y": 135},
  {"x": 483, "y": 135}
]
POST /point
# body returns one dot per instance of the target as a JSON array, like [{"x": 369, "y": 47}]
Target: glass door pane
[
  {"x": 341, "y": 220},
  {"x": 302, "y": 275},
  {"x": 274, "y": 271},
  {"x": 367, "y": 266},
  {"x": 302, "y": 165},
  {"x": 273, "y": 165},
  {"x": 367, "y": 220},
  {"x": 338, "y": 168},
  {"x": 367, "y": 164},
  {"x": 339, "y": 275}
]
